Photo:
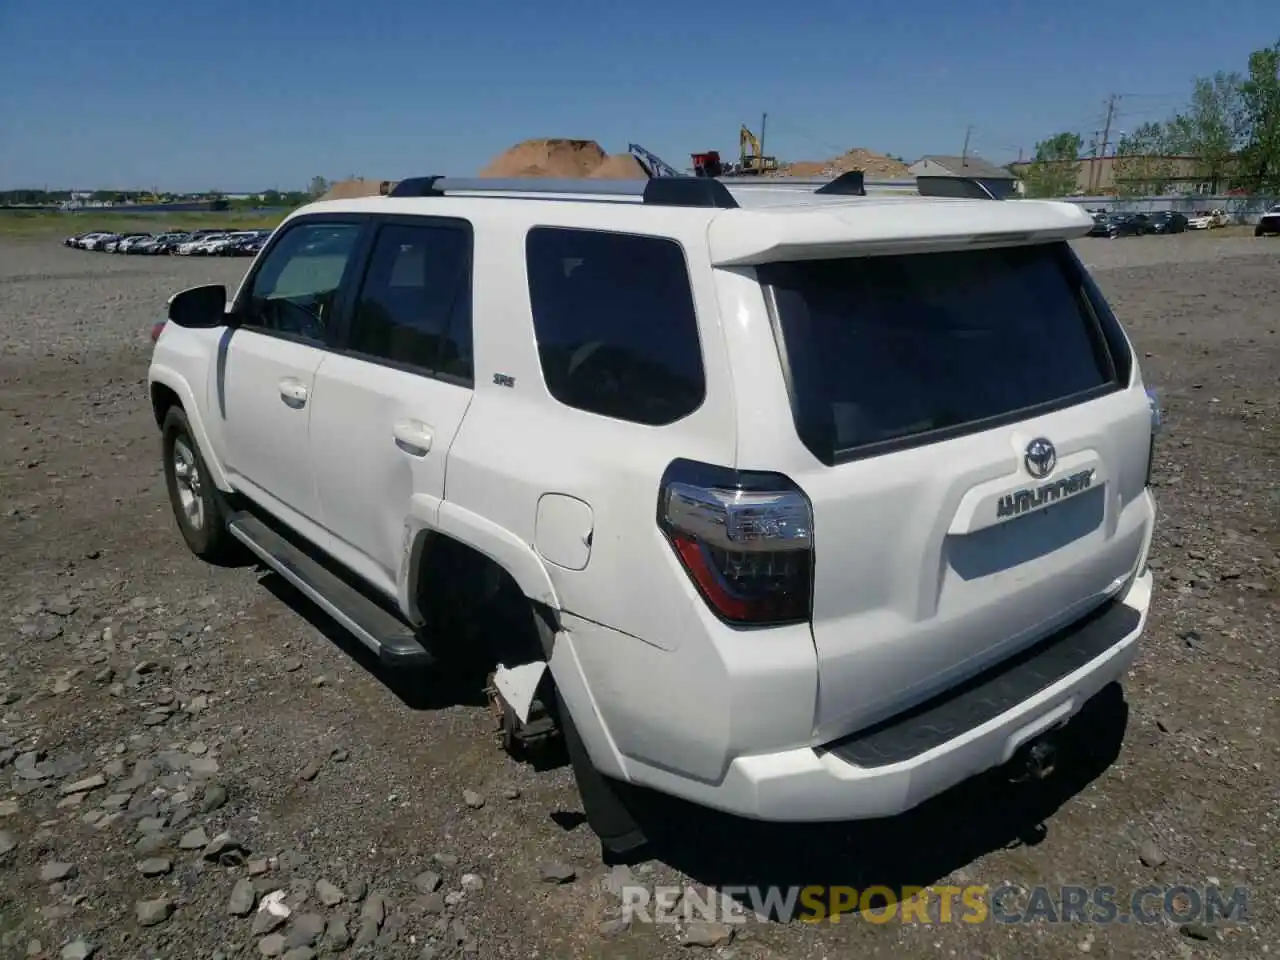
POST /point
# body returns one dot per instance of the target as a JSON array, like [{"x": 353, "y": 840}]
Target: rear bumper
[{"x": 897, "y": 766}]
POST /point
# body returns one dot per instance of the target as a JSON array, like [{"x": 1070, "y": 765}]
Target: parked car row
[
  {"x": 194, "y": 243},
  {"x": 1114, "y": 225}
]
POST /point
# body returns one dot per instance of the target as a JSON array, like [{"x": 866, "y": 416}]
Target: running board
[{"x": 393, "y": 640}]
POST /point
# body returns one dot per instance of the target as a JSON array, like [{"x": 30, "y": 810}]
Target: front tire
[{"x": 199, "y": 510}]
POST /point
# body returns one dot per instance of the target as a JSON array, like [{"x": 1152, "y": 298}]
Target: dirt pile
[
  {"x": 874, "y": 165},
  {"x": 351, "y": 189},
  {"x": 619, "y": 166},
  {"x": 547, "y": 158}
]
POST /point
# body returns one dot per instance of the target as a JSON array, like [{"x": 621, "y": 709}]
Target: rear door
[
  {"x": 389, "y": 401},
  {"x": 982, "y": 462}
]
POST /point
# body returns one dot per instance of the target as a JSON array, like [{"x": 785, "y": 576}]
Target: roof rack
[
  {"x": 851, "y": 184},
  {"x": 969, "y": 188},
  {"x": 683, "y": 191},
  {"x": 855, "y": 183},
  {"x": 659, "y": 191}
]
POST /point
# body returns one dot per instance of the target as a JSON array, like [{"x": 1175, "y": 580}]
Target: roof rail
[
  {"x": 416, "y": 187},
  {"x": 851, "y": 184},
  {"x": 657, "y": 191},
  {"x": 683, "y": 191},
  {"x": 960, "y": 187}
]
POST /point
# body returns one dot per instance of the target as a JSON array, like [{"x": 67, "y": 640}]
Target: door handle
[
  {"x": 293, "y": 392},
  {"x": 413, "y": 437}
]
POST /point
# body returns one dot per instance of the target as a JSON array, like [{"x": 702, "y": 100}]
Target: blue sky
[{"x": 240, "y": 96}]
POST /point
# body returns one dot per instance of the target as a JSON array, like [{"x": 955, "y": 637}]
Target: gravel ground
[{"x": 187, "y": 752}]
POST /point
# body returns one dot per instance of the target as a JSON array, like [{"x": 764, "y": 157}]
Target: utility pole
[
  {"x": 764, "y": 119},
  {"x": 1093, "y": 160},
  {"x": 964, "y": 151},
  {"x": 1101, "y": 149}
]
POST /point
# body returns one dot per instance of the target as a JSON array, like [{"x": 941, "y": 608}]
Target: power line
[
  {"x": 1138, "y": 113},
  {"x": 787, "y": 129}
]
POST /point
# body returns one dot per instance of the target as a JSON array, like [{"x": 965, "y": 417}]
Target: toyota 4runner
[{"x": 802, "y": 504}]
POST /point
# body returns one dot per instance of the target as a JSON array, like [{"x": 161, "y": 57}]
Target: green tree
[
  {"x": 1143, "y": 164},
  {"x": 1055, "y": 171},
  {"x": 1211, "y": 128},
  {"x": 1259, "y": 167},
  {"x": 319, "y": 187}
]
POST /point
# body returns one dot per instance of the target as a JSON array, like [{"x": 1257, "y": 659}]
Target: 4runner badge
[{"x": 1023, "y": 501}]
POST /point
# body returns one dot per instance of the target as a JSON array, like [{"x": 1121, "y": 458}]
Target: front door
[
  {"x": 267, "y": 366},
  {"x": 390, "y": 399}
]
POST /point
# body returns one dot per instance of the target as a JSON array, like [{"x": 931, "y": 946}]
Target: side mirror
[{"x": 199, "y": 307}]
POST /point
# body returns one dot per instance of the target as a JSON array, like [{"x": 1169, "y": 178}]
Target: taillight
[
  {"x": 157, "y": 328},
  {"x": 744, "y": 538}
]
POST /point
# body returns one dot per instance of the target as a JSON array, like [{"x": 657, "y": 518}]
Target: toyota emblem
[{"x": 1040, "y": 458}]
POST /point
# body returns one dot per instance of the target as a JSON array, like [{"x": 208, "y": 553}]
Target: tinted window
[
  {"x": 414, "y": 305},
  {"x": 881, "y": 349},
  {"x": 614, "y": 319},
  {"x": 295, "y": 290}
]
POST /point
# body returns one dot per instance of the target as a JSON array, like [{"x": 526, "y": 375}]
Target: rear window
[{"x": 893, "y": 351}]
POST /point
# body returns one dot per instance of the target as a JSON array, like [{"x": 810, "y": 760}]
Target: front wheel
[{"x": 200, "y": 512}]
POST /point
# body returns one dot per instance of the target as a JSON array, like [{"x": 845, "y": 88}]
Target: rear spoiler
[{"x": 747, "y": 237}]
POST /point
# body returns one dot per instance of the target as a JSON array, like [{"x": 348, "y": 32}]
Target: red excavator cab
[{"x": 707, "y": 164}]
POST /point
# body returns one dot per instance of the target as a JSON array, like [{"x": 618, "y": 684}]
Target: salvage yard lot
[{"x": 216, "y": 700}]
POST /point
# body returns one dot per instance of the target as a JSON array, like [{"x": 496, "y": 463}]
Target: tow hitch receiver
[
  {"x": 1035, "y": 760},
  {"x": 521, "y": 718}
]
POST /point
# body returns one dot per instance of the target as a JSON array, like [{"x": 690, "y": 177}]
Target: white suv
[{"x": 800, "y": 504}]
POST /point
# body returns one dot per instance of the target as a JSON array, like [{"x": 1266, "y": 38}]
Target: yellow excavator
[{"x": 752, "y": 158}]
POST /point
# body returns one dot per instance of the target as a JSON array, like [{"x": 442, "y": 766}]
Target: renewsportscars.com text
[{"x": 938, "y": 905}]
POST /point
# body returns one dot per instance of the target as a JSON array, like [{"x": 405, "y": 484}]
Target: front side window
[
  {"x": 295, "y": 290},
  {"x": 615, "y": 323}
]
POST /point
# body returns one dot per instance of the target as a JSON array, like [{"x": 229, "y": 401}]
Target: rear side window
[
  {"x": 414, "y": 306},
  {"x": 891, "y": 351},
  {"x": 614, "y": 319}
]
